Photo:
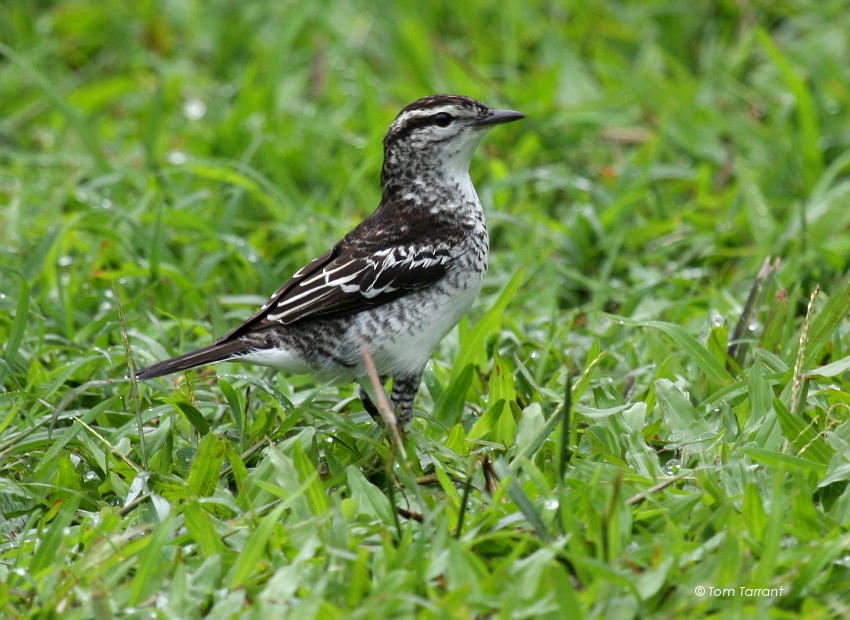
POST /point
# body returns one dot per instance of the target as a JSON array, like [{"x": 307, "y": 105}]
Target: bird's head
[{"x": 439, "y": 132}]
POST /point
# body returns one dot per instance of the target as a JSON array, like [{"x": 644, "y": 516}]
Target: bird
[{"x": 397, "y": 283}]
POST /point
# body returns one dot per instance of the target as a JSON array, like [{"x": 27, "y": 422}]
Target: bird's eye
[{"x": 443, "y": 119}]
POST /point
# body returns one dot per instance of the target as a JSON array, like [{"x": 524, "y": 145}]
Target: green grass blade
[
  {"x": 151, "y": 562},
  {"x": 521, "y": 499},
  {"x": 706, "y": 362},
  {"x": 201, "y": 528},
  {"x": 16, "y": 334},
  {"x": 780, "y": 460},
  {"x": 803, "y": 436},
  {"x": 449, "y": 407},
  {"x": 46, "y": 552},
  {"x": 248, "y": 561},
  {"x": 317, "y": 497},
  {"x": 206, "y": 466},
  {"x": 809, "y": 138}
]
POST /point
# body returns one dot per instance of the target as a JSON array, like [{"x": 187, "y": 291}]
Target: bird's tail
[{"x": 217, "y": 352}]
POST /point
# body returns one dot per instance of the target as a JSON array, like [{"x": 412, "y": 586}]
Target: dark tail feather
[{"x": 217, "y": 352}]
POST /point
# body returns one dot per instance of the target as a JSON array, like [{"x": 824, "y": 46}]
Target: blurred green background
[{"x": 166, "y": 165}]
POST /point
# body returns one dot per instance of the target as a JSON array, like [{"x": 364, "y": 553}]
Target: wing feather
[{"x": 339, "y": 284}]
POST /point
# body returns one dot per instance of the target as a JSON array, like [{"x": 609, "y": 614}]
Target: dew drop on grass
[
  {"x": 185, "y": 454},
  {"x": 89, "y": 475},
  {"x": 115, "y": 501},
  {"x": 194, "y": 109},
  {"x": 64, "y": 261},
  {"x": 753, "y": 325},
  {"x": 550, "y": 504},
  {"x": 176, "y": 157},
  {"x": 672, "y": 467},
  {"x": 716, "y": 320}
]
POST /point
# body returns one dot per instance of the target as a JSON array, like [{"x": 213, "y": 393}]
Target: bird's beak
[{"x": 497, "y": 117}]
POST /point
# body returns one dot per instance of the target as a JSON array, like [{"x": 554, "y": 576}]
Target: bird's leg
[
  {"x": 369, "y": 404},
  {"x": 405, "y": 388}
]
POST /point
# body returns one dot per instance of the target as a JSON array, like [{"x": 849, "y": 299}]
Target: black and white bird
[{"x": 398, "y": 282}]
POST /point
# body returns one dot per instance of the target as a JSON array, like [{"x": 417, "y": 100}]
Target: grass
[{"x": 640, "y": 405}]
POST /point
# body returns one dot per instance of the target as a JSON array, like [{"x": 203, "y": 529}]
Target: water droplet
[
  {"x": 176, "y": 157},
  {"x": 115, "y": 501},
  {"x": 106, "y": 203},
  {"x": 89, "y": 475},
  {"x": 64, "y": 261},
  {"x": 551, "y": 503},
  {"x": 716, "y": 319},
  {"x": 185, "y": 454},
  {"x": 194, "y": 109},
  {"x": 753, "y": 325},
  {"x": 672, "y": 467}
]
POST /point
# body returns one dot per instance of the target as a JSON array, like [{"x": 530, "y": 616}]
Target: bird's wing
[{"x": 348, "y": 280}]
